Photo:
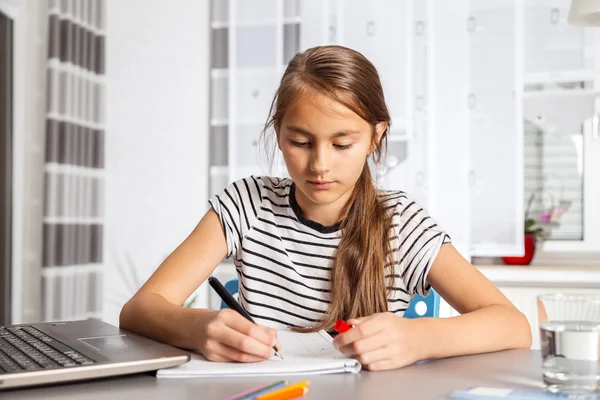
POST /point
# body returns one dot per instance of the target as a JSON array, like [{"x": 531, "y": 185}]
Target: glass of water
[{"x": 570, "y": 339}]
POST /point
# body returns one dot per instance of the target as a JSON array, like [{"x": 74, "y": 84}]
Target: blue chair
[
  {"x": 232, "y": 287},
  {"x": 419, "y": 306}
]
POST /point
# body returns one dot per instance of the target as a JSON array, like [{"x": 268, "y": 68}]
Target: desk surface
[{"x": 429, "y": 380}]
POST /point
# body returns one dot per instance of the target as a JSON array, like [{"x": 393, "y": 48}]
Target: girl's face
[{"x": 325, "y": 146}]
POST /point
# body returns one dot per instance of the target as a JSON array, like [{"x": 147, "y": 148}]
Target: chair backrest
[{"x": 419, "y": 306}]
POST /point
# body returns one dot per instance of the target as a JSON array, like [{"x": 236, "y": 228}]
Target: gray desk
[{"x": 430, "y": 380}]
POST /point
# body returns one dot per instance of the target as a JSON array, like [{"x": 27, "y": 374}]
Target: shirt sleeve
[
  {"x": 420, "y": 239},
  {"x": 237, "y": 207}
]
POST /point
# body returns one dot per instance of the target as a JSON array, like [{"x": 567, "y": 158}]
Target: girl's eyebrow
[{"x": 344, "y": 132}]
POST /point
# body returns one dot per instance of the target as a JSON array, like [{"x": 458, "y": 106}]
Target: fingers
[
  {"x": 378, "y": 355},
  {"x": 231, "y": 337},
  {"x": 363, "y": 345},
  {"x": 375, "y": 354},
  {"x": 357, "y": 321},
  {"x": 365, "y": 328},
  {"x": 265, "y": 335},
  {"x": 221, "y": 352},
  {"x": 381, "y": 365},
  {"x": 372, "y": 352},
  {"x": 247, "y": 344}
]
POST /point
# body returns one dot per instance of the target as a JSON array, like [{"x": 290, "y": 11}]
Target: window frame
[
  {"x": 591, "y": 198},
  {"x": 586, "y": 251}
]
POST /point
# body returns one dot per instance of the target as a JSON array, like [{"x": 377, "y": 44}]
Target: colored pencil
[
  {"x": 268, "y": 389},
  {"x": 287, "y": 392},
  {"x": 245, "y": 392},
  {"x": 256, "y": 390}
]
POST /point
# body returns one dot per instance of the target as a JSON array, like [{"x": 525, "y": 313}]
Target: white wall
[{"x": 157, "y": 60}]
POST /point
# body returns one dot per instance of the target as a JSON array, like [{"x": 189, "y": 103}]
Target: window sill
[
  {"x": 566, "y": 258},
  {"x": 543, "y": 276}
]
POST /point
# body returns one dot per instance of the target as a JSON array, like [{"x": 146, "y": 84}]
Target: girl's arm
[
  {"x": 155, "y": 311},
  {"x": 489, "y": 321}
]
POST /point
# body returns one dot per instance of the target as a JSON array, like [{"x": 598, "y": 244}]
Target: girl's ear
[{"x": 380, "y": 129}]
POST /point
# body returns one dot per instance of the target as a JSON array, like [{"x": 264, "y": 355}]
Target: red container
[{"x": 527, "y": 257}]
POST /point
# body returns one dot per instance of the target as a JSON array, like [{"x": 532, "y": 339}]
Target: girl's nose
[{"x": 320, "y": 162}]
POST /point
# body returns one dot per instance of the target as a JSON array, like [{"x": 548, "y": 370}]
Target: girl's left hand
[{"x": 383, "y": 341}]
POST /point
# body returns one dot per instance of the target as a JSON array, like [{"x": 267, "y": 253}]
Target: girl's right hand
[{"x": 226, "y": 336}]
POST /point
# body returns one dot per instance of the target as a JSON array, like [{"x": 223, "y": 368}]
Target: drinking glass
[{"x": 570, "y": 333}]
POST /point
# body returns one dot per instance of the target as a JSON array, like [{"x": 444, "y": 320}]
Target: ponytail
[{"x": 358, "y": 286}]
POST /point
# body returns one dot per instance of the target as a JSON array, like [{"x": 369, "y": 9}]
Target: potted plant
[
  {"x": 532, "y": 232},
  {"x": 538, "y": 229}
]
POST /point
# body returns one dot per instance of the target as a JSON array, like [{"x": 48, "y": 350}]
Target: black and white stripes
[
  {"x": 283, "y": 260},
  {"x": 74, "y": 160}
]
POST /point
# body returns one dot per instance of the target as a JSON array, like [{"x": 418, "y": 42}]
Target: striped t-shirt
[{"x": 283, "y": 260}]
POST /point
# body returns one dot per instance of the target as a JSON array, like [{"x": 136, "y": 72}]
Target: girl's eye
[
  {"x": 300, "y": 144},
  {"x": 308, "y": 144}
]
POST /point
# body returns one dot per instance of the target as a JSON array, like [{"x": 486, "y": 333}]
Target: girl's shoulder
[
  {"x": 275, "y": 183},
  {"x": 267, "y": 186},
  {"x": 400, "y": 204},
  {"x": 394, "y": 198}
]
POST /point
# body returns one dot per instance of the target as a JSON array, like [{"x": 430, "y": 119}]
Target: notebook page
[{"x": 303, "y": 353}]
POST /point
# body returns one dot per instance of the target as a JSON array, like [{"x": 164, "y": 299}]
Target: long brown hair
[{"x": 357, "y": 282}]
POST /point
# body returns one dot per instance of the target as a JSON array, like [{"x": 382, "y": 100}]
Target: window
[
  {"x": 561, "y": 143},
  {"x": 554, "y": 160}
]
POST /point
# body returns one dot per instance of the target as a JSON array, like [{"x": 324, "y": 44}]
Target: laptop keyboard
[{"x": 24, "y": 348}]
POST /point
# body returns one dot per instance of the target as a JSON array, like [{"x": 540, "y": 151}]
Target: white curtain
[{"x": 74, "y": 161}]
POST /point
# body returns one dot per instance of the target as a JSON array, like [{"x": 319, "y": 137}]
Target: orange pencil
[
  {"x": 300, "y": 384},
  {"x": 283, "y": 394}
]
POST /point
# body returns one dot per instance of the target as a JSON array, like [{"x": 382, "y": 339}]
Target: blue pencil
[
  {"x": 246, "y": 394},
  {"x": 268, "y": 389}
]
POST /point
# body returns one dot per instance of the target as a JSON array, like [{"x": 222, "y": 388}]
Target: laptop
[{"x": 53, "y": 352}]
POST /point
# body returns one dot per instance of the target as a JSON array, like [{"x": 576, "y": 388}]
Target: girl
[{"x": 325, "y": 244}]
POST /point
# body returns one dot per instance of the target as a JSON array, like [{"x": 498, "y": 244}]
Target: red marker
[{"x": 341, "y": 326}]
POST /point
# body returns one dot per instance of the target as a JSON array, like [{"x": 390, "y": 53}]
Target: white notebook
[{"x": 303, "y": 354}]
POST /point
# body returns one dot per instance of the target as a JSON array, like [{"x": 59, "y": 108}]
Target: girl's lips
[{"x": 321, "y": 185}]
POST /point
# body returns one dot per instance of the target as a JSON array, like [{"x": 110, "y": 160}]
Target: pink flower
[{"x": 545, "y": 217}]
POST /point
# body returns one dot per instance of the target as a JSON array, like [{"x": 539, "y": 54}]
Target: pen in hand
[{"x": 231, "y": 303}]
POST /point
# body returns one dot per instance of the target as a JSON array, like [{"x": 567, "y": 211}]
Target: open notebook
[{"x": 303, "y": 353}]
